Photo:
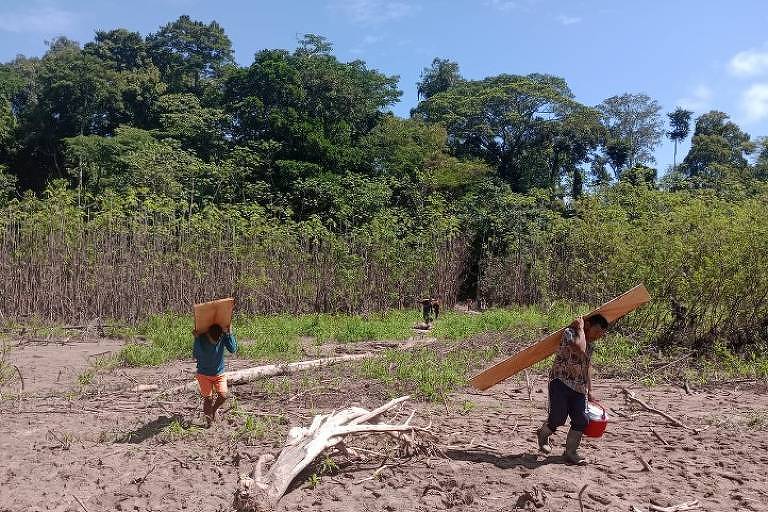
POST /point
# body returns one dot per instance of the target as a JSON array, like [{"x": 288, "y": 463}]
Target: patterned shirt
[{"x": 571, "y": 364}]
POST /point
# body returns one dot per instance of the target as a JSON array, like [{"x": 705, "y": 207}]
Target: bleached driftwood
[
  {"x": 682, "y": 507},
  {"x": 688, "y": 505},
  {"x": 260, "y": 492},
  {"x": 274, "y": 370}
]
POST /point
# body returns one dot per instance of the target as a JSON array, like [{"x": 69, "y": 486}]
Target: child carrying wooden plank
[{"x": 208, "y": 350}]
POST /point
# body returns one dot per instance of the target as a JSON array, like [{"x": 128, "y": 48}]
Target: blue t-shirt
[{"x": 210, "y": 357}]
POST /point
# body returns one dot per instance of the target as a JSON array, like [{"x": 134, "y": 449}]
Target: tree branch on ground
[{"x": 260, "y": 492}]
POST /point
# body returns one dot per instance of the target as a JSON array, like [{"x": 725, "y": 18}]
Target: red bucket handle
[{"x": 599, "y": 405}]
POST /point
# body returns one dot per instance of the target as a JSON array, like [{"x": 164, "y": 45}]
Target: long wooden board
[
  {"x": 214, "y": 312},
  {"x": 612, "y": 310}
]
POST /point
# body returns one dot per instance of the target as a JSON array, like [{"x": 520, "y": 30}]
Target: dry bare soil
[{"x": 113, "y": 449}]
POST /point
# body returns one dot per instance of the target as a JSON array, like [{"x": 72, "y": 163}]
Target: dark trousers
[{"x": 564, "y": 402}]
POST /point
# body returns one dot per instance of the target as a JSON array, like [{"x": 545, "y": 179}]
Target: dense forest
[{"x": 139, "y": 174}]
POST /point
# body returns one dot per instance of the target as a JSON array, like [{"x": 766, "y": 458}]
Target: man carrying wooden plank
[
  {"x": 208, "y": 350},
  {"x": 570, "y": 385}
]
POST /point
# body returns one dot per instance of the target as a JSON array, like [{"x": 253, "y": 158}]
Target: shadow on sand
[
  {"x": 521, "y": 460},
  {"x": 148, "y": 430}
]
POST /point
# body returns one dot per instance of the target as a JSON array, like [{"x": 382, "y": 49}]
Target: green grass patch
[
  {"x": 265, "y": 337},
  {"x": 724, "y": 365},
  {"x": 620, "y": 355},
  {"x": 170, "y": 337},
  {"x": 461, "y": 326},
  {"x": 255, "y": 428},
  {"x": 45, "y": 329},
  {"x": 392, "y": 325},
  {"x": 429, "y": 374},
  {"x": 177, "y": 430},
  {"x": 100, "y": 364}
]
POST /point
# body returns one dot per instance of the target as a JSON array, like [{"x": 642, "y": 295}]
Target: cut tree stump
[{"x": 260, "y": 492}]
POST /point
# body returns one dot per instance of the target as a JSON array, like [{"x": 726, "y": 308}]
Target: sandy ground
[{"x": 109, "y": 447}]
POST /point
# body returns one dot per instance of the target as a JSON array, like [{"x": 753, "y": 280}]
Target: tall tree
[
  {"x": 719, "y": 150},
  {"x": 137, "y": 77},
  {"x": 761, "y": 162},
  {"x": 680, "y": 124},
  {"x": 598, "y": 171},
  {"x": 440, "y": 76},
  {"x": 313, "y": 44},
  {"x": 189, "y": 52},
  {"x": 124, "y": 50},
  {"x": 10, "y": 82},
  {"x": 528, "y": 128},
  {"x": 7, "y": 130},
  {"x": 632, "y": 122},
  {"x": 74, "y": 94},
  {"x": 315, "y": 107},
  {"x": 617, "y": 155}
]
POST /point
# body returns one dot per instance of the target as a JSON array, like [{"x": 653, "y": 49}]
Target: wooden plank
[
  {"x": 214, "y": 312},
  {"x": 612, "y": 310}
]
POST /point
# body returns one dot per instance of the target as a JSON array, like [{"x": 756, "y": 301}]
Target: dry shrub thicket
[{"x": 704, "y": 258}]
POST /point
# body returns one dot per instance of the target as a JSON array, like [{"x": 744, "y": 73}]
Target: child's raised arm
[{"x": 229, "y": 341}]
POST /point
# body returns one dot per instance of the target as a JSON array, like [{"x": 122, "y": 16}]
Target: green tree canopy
[
  {"x": 529, "y": 128},
  {"x": 634, "y": 129},
  {"x": 316, "y": 107},
  {"x": 189, "y": 52},
  {"x": 124, "y": 50},
  {"x": 719, "y": 151},
  {"x": 439, "y": 77}
]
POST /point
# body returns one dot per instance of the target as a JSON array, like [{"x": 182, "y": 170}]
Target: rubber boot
[
  {"x": 572, "y": 443},
  {"x": 543, "y": 434}
]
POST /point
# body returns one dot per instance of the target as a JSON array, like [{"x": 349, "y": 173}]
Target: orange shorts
[{"x": 210, "y": 383}]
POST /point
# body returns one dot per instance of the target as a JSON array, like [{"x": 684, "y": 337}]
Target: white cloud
[
  {"x": 41, "y": 20},
  {"x": 502, "y": 5},
  {"x": 368, "y": 41},
  {"x": 698, "y": 101},
  {"x": 749, "y": 63},
  {"x": 374, "y": 11},
  {"x": 754, "y": 101},
  {"x": 568, "y": 20}
]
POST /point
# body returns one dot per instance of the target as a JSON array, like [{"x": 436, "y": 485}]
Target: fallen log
[
  {"x": 273, "y": 370},
  {"x": 335, "y": 349},
  {"x": 143, "y": 388},
  {"x": 260, "y": 492},
  {"x": 688, "y": 505}
]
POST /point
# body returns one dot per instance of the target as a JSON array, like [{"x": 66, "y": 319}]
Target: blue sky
[{"x": 698, "y": 54}]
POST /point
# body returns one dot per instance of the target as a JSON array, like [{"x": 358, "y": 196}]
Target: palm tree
[{"x": 680, "y": 122}]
